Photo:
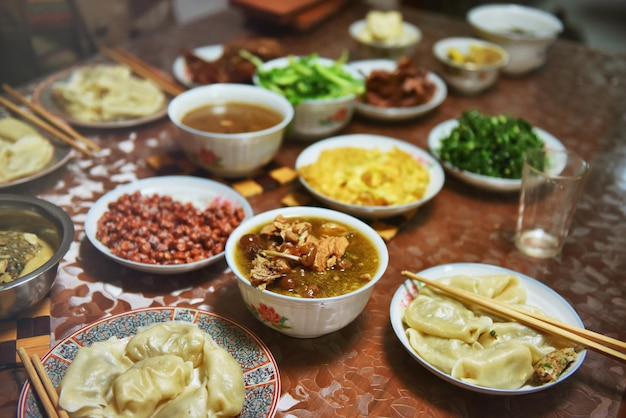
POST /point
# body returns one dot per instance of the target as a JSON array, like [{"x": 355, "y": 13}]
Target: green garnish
[
  {"x": 307, "y": 78},
  {"x": 489, "y": 145}
]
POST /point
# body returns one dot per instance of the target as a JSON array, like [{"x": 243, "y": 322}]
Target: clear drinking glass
[{"x": 552, "y": 181}]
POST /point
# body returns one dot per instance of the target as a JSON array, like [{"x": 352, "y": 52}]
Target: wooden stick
[
  {"x": 38, "y": 386},
  {"x": 167, "y": 79},
  {"x": 45, "y": 126},
  {"x": 143, "y": 69},
  {"x": 48, "y": 386},
  {"x": 50, "y": 117},
  {"x": 522, "y": 317}
]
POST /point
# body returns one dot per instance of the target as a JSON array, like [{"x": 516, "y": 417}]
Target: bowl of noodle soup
[
  {"x": 369, "y": 176},
  {"x": 535, "y": 295}
]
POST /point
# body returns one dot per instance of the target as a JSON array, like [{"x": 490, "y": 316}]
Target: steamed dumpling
[
  {"x": 192, "y": 403},
  {"x": 85, "y": 388},
  {"x": 444, "y": 317},
  {"x": 472, "y": 346},
  {"x": 226, "y": 389},
  {"x": 170, "y": 369},
  {"x": 150, "y": 382},
  {"x": 507, "y": 365},
  {"x": 178, "y": 338}
]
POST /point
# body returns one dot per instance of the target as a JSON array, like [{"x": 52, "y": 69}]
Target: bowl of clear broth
[
  {"x": 306, "y": 271},
  {"x": 526, "y": 33},
  {"x": 35, "y": 235},
  {"x": 230, "y": 130}
]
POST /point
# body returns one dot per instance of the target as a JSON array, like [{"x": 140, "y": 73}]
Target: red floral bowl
[
  {"x": 230, "y": 154},
  {"x": 297, "y": 316}
]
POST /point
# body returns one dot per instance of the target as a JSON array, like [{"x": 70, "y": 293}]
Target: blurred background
[{"x": 42, "y": 36}]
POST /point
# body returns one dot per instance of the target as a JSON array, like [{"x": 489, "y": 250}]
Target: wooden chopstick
[
  {"x": 50, "y": 118},
  {"x": 45, "y": 126},
  {"x": 48, "y": 386},
  {"x": 41, "y": 384},
  {"x": 567, "y": 331},
  {"x": 143, "y": 69}
]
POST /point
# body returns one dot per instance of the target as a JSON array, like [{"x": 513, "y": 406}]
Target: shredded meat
[
  {"x": 266, "y": 270},
  {"x": 296, "y": 245},
  {"x": 551, "y": 366},
  {"x": 329, "y": 250},
  {"x": 407, "y": 85},
  {"x": 231, "y": 67}
]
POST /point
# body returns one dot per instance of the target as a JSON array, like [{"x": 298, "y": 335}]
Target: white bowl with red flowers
[
  {"x": 294, "y": 312},
  {"x": 314, "y": 118},
  {"x": 238, "y": 153}
]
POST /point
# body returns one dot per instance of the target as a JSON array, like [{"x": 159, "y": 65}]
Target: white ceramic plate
[
  {"x": 310, "y": 155},
  {"x": 198, "y": 191},
  {"x": 207, "y": 53},
  {"x": 43, "y": 95},
  {"x": 261, "y": 375},
  {"x": 538, "y": 294},
  {"x": 443, "y": 130},
  {"x": 365, "y": 67}
]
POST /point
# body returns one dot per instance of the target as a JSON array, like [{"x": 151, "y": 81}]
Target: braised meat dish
[
  {"x": 231, "y": 67},
  {"x": 307, "y": 257},
  {"x": 407, "y": 85}
]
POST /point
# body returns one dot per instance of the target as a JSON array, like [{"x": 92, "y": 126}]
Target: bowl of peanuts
[{"x": 166, "y": 224}]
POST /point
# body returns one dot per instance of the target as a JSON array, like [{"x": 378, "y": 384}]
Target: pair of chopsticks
[
  {"x": 42, "y": 385},
  {"x": 48, "y": 122},
  {"x": 577, "y": 335},
  {"x": 143, "y": 69}
]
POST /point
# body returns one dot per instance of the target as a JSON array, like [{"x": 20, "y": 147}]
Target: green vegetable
[
  {"x": 489, "y": 145},
  {"x": 307, "y": 78}
]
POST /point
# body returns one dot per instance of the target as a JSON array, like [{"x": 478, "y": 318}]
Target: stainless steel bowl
[{"x": 50, "y": 223}]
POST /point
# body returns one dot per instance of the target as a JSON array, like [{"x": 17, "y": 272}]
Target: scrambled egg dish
[{"x": 368, "y": 177}]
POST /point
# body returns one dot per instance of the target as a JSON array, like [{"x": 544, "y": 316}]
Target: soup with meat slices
[
  {"x": 232, "y": 118},
  {"x": 307, "y": 257}
]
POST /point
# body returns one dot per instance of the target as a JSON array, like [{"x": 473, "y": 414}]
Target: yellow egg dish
[{"x": 368, "y": 177}]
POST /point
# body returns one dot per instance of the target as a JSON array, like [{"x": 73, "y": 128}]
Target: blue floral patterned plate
[{"x": 261, "y": 376}]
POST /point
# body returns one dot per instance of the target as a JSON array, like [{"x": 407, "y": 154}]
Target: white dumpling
[
  {"x": 446, "y": 318},
  {"x": 442, "y": 353},
  {"x": 148, "y": 383},
  {"x": 191, "y": 403},
  {"x": 177, "y": 338},
  {"x": 224, "y": 379},
  {"x": 502, "y": 366},
  {"x": 506, "y": 288},
  {"x": 514, "y": 331},
  {"x": 85, "y": 388}
]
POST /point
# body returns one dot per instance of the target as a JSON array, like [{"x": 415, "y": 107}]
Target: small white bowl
[
  {"x": 525, "y": 32},
  {"x": 230, "y": 155},
  {"x": 538, "y": 294},
  {"x": 304, "y": 317},
  {"x": 365, "y": 67},
  {"x": 195, "y": 190},
  {"x": 404, "y": 47},
  {"x": 468, "y": 78},
  {"x": 495, "y": 184},
  {"x": 315, "y": 119},
  {"x": 311, "y": 154}
]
